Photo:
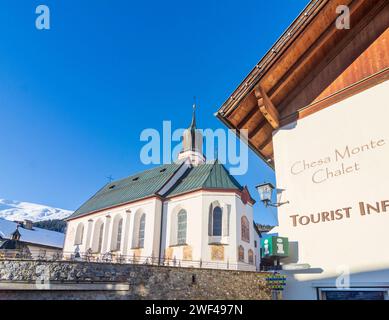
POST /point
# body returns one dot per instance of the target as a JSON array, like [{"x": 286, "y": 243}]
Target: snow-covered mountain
[{"x": 19, "y": 211}]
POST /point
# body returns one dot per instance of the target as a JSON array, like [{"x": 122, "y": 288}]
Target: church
[{"x": 190, "y": 213}]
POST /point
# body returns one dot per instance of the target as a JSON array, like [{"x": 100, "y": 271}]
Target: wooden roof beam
[
  {"x": 311, "y": 52},
  {"x": 267, "y": 107},
  {"x": 265, "y": 143},
  {"x": 257, "y": 128},
  {"x": 241, "y": 124}
]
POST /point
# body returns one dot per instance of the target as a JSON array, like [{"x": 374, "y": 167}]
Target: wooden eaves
[{"x": 310, "y": 67}]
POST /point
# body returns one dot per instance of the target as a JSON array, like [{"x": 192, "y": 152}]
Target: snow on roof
[{"x": 35, "y": 236}]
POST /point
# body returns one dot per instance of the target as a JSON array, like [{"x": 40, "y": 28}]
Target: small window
[
  {"x": 141, "y": 236},
  {"x": 119, "y": 235},
  {"x": 181, "y": 227},
  {"x": 79, "y": 234},
  {"x": 163, "y": 170},
  {"x": 255, "y": 243},
  {"x": 245, "y": 229},
  {"x": 135, "y": 179},
  {"x": 101, "y": 234},
  {"x": 111, "y": 187},
  {"x": 241, "y": 254},
  {"x": 251, "y": 256}
]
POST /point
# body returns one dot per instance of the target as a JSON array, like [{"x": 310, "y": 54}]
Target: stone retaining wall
[{"x": 85, "y": 280}]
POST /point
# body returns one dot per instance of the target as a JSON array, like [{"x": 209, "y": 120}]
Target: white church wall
[
  {"x": 192, "y": 204},
  {"x": 230, "y": 202},
  {"x": 217, "y": 252},
  {"x": 156, "y": 225},
  {"x": 127, "y": 212}
]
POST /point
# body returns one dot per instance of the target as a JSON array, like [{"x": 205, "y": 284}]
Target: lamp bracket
[{"x": 268, "y": 203}]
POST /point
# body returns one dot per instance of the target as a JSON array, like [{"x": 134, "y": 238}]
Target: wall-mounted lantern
[{"x": 265, "y": 192}]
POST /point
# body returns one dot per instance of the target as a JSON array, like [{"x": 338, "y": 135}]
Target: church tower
[{"x": 192, "y": 143}]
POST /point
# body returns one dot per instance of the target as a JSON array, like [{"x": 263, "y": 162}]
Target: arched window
[
  {"x": 217, "y": 221},
  {"x": 79, "y": 234},
  {"x": 245, "y": 229},
  {"x": 101, "y": 235},
  {"x": 141, "y": 234},
  {"x": 119, "y": 234},
  {"x": 251, "y": 256},
  {"x": 181, "y": 227},
  {"x": 116, "y": 235},
  {"x": 241, "y": 253},
  {"x": 138, "y": 231}
]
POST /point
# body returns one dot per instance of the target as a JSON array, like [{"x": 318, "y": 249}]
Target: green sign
[{"x": 275, "y": 247}]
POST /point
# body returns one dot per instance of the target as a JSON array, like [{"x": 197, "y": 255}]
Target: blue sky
[{"x": 74, "y": 99}]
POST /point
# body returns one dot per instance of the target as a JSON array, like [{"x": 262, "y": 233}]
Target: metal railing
[
  {"x": 113, "y": 257},
  {"x": 25, "y": 254}
]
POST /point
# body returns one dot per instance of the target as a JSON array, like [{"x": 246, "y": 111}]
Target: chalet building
[
  {"x": 188, "y": 213},
  {"x": 316, "y": 110},
  {"x": 23, "y": 240}
]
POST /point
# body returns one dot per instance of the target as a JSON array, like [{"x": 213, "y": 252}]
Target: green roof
[
  {"x": 205, "y": 176},
  {"x": 149, "y": 182}
]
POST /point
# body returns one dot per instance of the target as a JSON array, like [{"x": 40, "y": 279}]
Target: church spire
[
  {"x": 193, "y": 124},
  {"x": 192, "y": 142}
]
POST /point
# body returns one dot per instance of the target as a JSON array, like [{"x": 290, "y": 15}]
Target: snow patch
[{"x": 19, "y": 211}]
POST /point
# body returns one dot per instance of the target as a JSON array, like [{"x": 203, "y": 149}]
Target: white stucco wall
[
  {"x": 196, "y": 205},
  {"x": 356, "y": 243},
  {"x": 150, "y": 207}
]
